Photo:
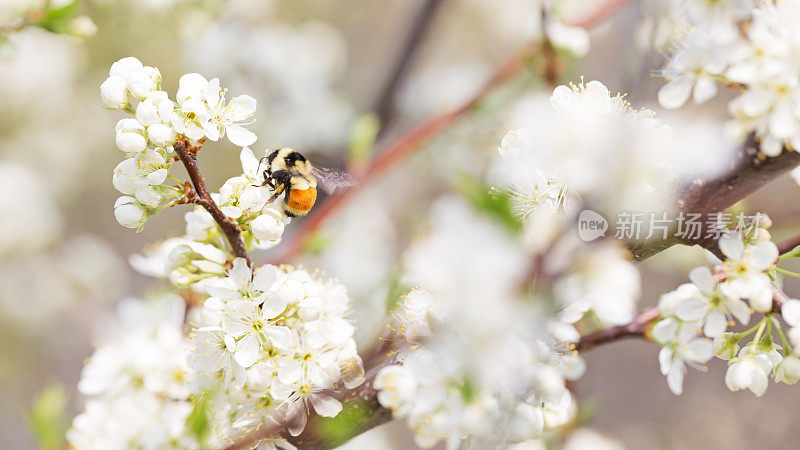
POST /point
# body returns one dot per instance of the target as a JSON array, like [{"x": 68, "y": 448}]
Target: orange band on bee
[{"x": 302, "y": 199}]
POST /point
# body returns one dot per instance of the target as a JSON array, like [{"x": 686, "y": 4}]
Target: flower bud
[
  {"x": 161, "y": 135},
  {"x": 82, "y": 27},
  {"x": 129, "y": 125},
  {"x": 395, "y": 384},
  {"x": 726, "y": 346},
  {"x": 794, "y": 336},
  {"x": 142, "y": 82},
  {"x": 131, "y": 142},
  {"x": 548, "y": 380},
  {"x": 124, "y": 67},
  {"x": 129, "y": 212},
  {"x": 156, "y": 108},
  {"x": 527, "y": 422},
  {"x": 788, "y": 371},
  {"x": 268, "y": 226},
  {"x": 114, "y": 93}
]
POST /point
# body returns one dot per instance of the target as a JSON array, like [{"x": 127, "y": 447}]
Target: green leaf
[
  {"x": 396, "y": 290},
  {"x": 47, "y": 417},
  {"x": 468, "y": 390},
  {"x": 362, "y": 138},
  {"x": 490, "y": 202},
  {"x": 56, "y": 19},
  {"x": 199, "y": 423},
  {"x": 317, "y": 243},
  {"x": 587, "y": 411},
  {"x": 348, "y": 423}
]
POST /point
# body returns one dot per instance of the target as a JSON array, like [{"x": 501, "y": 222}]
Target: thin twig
[
  {"x": 203, "y": 198},
  {"x": 384, "y": 105},
  {"x": 600, "y": 14},
  {"x": 779, "y": 298},
  {"x": 635, "y": 328}
]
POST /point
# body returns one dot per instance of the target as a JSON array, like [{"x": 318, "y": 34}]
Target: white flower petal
[
  {"x": 326, "y": 406},
  {"x": 675, "y": 93},
  {"x": 240, "y": 136}
]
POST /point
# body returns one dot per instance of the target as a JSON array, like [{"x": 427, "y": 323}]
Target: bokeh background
[{"x": 319, "y": 70}]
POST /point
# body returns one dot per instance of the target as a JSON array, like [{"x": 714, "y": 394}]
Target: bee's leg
[{"x": 276, "y": 194}]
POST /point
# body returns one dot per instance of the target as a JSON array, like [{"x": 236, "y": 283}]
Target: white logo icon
[{"x": 591, "y": 225}]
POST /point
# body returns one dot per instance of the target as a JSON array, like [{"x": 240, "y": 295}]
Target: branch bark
[
  {"x": 744, "y": 174},
  {"x": 635, "y": 328},
  {"x": 187, "y": 155},
  {"x": 789, "y": 244}
]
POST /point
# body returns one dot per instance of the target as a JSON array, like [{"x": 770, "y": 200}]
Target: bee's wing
[{"x": 332, "y": 180}]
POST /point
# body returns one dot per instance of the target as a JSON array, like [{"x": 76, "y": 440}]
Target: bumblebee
[{"x": 291, "y": 174}]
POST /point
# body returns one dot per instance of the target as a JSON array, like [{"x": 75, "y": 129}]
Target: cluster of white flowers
[
  {"x": 477, "y": 369},
  {"x": 199, "y": 255},
  {"x": 757, "y": 52},
  {"x": 138, "y": 382},
  {"x": 267, "y": 345},
  {"x": 697, "y": 312},
  {"x": 201, "y": 112},
  {"x": 615, "y": 163}
]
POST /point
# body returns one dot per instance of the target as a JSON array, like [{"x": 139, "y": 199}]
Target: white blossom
[
  {"x": 681, "y": 346},
  {"x": 130, "y": 213},
  {"x": 788, "y": 370},
  {"x": 759, "y": 56},
  {"x": 602, "y": 280},
  {"x": 140, "y": 176},
  {"x": 271, "y": 342},
  {"x": 745, "y": 267},
  {"x": 751, "y": 372},
  {"x": 205, "y": 113},
  {"x": 138, "y": 382},
  {"x": 130, "y": 136}
]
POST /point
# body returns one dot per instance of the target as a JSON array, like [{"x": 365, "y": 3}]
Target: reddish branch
[
  {"x": 412, "y": 141},
  {"x": 600, "y": 13},
  {"x": 635, "y": 328},
  {"x": 188, "y": 156},
  {"x": 393, "y": 154}
]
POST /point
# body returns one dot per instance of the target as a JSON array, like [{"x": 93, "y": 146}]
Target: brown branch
[
  {"x": 187, "y": 155},
  {"x": 384, "y": 106},
  {"x": 744, "y": 174},
  {"x": 393, "y": 154},
  {"x": 638, "y": 326},
  {"x": 410, "y": 142},
  {"x": 789, "y": 244},
  {"x": 635, "y": 328}
]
